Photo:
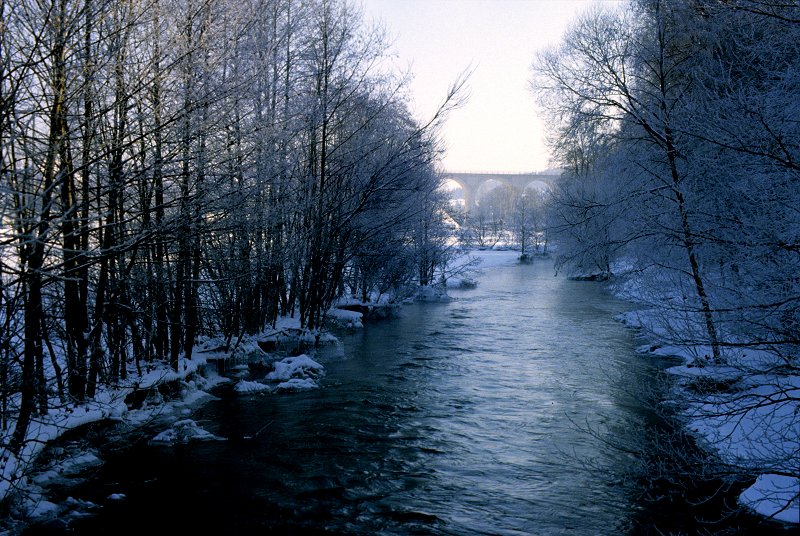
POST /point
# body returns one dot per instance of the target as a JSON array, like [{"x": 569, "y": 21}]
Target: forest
[{"x": 179, "y": 168}]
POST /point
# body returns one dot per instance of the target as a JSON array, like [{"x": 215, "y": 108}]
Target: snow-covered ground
[
  {"x": 27, "y": 488},
  {"x": 745, "y": 410},
  {"x": 23, "y": 483}
]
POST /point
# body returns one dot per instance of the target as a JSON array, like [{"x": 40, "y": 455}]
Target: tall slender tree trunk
[
  {"x": 33, "y": 390},
  {"x": 161, "y": 280},
  {"x": 688, "y": 240}
]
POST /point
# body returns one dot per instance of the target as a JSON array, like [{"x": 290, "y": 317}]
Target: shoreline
[{"x": 195, "y": 389}]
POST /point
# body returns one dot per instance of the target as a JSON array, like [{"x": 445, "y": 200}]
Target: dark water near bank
[{"x": 461, "y": 418}]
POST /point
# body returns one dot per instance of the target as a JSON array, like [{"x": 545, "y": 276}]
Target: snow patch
[
  {"x": 297, "y": 384},
  {"x": 41, "y": 508},
  {"x": 775, "y": 496},
  {"x": 245, "y": 386},
  {"x": 349, "y": 319}
]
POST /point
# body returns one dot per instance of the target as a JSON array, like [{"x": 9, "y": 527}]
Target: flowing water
[{"x": 489, "y": 414}]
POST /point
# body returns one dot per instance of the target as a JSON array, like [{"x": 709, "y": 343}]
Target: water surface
[{"x": 489, "y": 414}]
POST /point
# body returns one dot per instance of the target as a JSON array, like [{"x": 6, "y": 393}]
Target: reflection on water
[{"x": 468, "y": 417}]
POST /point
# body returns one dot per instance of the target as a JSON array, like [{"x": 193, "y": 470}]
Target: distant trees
[
  {"x": 181, "y": 167},
  {"x": 529, "y": 222},
  {"x": 504, "y": 214}
]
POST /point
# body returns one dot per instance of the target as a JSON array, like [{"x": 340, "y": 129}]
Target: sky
[{"x": 498, "y": 129}]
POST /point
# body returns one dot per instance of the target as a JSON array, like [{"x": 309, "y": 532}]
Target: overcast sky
[{"x": 498, "y": 129}]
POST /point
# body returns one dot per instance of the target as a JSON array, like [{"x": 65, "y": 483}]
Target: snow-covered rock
[
  {"x": 184, "y": 431},
  {"x": 300, "y": 367},
  {"x": 297, "y": 384}
]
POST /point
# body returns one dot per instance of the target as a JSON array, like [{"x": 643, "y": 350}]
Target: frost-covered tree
[
  {"x": 676, "y": 123},
  {"x": 626, "y": 73},
  {"x": 186, "y": 167}
]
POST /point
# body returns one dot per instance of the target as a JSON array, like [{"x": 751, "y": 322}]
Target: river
[{"x": 488, "y": 414}]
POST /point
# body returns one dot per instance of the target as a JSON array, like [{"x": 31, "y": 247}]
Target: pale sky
[{"x": 498, "y": 129}]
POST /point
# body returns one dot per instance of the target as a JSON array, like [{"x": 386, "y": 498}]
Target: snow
[
  {"x": 297, "y": 373},
  {"x": 17, "y": 477},
  {"x": 350, "y": 319},
  {"x": 108, "y": 404},
  {"x": 68, "y": 467},
  {"x": 297, "y": 384},
  {"x": 492, "y": 258},
  {"x": 774, "y": 496},
  {"x": 461, "y": 282},
  {"x": 432, "y": 293},
  {"x": 184, "y": 431},
  {"x": 195, "y": 381},
  {"x": 39, "y": 508},
  {"x": 245, "y": 386},
  {"x": 302, "y": 367},
  {"x": 750, "y": 417}
]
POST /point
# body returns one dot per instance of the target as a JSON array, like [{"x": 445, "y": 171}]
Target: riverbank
[
  {"x": 744, "y": 411},
  {"x": 160, "y": 394}
]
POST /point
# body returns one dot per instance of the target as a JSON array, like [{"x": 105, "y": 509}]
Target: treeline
[
  {"x": 178, "y": 167},
  {"x": 504, "y": 215},
  {"x": 677, "y": 123}
]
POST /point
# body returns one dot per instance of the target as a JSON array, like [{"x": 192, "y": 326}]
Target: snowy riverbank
[
  {"x": 138, "y": 400},
  {"x": 745, "y": 410}
]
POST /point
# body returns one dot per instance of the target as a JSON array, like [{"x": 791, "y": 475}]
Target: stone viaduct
[{"x": 471, "y": 183}]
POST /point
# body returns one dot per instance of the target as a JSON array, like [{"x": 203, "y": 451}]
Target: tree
[
  {"x": 186, "y": 167},
  {"x": 528, "y": 222},
  {"x": 675, "y": 121},
  {"x": 627, "y": 74}
]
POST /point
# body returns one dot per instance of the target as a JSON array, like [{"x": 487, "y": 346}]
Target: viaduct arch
[{"x": 470, "y": 183}]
